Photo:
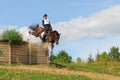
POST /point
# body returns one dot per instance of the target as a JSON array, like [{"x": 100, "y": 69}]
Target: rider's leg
[
  {"x": 50, "y": 28},
  {"x": 45, "y": 34},
  {"x": 44, "y": 38}
]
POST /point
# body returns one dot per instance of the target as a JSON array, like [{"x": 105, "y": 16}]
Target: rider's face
[{"x": 45, "y": 17}]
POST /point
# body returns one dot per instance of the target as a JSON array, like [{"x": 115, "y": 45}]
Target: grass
[
  {"x": 111, "y": 68},
  {"x": 16, "y": 74}
]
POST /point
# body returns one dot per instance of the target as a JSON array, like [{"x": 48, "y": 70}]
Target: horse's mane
[{"x": 56, "y": 32}]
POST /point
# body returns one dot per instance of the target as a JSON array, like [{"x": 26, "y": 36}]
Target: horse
[{"x": 52, "y": 38}]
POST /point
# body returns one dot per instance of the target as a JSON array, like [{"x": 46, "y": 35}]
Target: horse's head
[{"x": 56, "y": 36}]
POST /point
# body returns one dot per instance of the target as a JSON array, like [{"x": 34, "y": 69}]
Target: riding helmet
[{"x": 45, "y": 15}]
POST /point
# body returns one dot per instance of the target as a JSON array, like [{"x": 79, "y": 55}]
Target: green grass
[
  {"x": 111, "y": 68},
  {"x": 16, "y": 74}
]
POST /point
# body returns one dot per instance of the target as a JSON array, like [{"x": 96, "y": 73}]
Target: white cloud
[
  {"x": 4, "y": 27},
  {"x": 100, "y": 24}
]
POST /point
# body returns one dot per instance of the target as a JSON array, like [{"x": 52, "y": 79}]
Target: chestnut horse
[{"x": 51, "y": 38}]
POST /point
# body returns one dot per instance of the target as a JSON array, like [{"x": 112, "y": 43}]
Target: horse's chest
[{"x": 52, "y": 41}]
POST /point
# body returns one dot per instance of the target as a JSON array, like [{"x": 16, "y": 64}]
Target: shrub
[
  {"x": 90, "y": 59},
  {"x": 62, "y": 57},
  {"x": 78, "y": 60},
  {"x": 12, "y": 36}
]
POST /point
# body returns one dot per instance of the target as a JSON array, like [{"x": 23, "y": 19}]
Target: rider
[{"x": 47, "y": 26}]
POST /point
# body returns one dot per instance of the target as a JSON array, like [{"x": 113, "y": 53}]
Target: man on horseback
[{"x": 47, "y": 26}]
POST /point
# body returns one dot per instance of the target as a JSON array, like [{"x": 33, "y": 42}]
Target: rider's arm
[
  {"x": 43, "y": 23},
  {"x": 49, "y": 23}
]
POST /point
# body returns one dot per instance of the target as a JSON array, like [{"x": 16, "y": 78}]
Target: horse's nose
[{"x": 57, "y": 43}]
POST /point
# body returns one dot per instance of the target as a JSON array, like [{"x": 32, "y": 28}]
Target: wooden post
[
  {"x": 47, "y": 56},
  {"x": 47, "y": 61},
  {"x": 29, "y": 51},
  {"x": 9, "y": 54}
]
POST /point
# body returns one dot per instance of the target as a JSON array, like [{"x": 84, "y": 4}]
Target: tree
[
  {"x": 97, "y": 57},
  {"x": 63, "y": 57},
  {"x": 114, "y": 53},
  {"x": 78, "y": 60},
  {"x": 90, "y": 59},
  {"x": 103, "y": 58},
  {"x": 12, "y": 36}
]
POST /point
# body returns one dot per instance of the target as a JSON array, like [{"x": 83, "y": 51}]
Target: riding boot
[{"x": 44, "y": 36}]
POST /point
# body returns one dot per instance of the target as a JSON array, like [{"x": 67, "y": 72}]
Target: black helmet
[{"x": 45, "y": 15}]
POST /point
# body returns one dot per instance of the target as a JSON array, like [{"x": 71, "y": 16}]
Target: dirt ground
[{"x": 63, "y": 71}]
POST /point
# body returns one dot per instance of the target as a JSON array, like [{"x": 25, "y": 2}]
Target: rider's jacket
[{"x": 45, "y": 22}]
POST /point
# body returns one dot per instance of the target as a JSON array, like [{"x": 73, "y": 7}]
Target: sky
[{"x": 87, "y": 26}]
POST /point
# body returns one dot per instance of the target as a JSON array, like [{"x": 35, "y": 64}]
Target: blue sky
[
  {"x": 69, "y": 16},
  {"x": 25, "y": 12}
]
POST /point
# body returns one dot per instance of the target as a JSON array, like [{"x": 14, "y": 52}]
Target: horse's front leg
[
  {"x": 50, "y": 50},
  {"x": 52, "y": 46}
]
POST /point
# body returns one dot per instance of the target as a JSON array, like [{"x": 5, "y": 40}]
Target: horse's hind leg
[{"x": 40, "y": 38}]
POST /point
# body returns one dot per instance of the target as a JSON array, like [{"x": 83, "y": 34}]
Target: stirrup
[{"x": 43, "y": 41}]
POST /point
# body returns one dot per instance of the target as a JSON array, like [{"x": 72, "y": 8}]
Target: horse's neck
[
  {"x": 51, "y": 34},
  {"x": 50, "y": 37}
]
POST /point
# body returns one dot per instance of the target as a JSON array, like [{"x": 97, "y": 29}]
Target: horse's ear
[{"x": 37, "y": 25}]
